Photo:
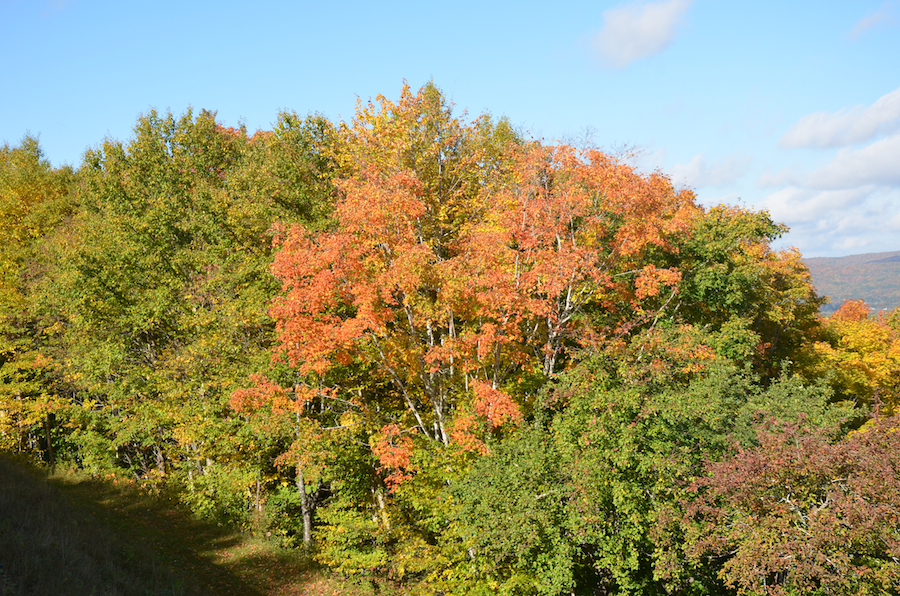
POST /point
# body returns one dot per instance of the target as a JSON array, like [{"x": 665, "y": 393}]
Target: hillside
[{"x": 873, "y": 277}]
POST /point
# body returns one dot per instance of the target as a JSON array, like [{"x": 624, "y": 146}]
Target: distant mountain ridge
[
  {"x": 893, "y": 259},
  {"x": 873, "y": 277}
]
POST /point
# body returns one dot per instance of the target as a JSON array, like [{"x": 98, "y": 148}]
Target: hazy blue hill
[{"x": 873, "y": 277}]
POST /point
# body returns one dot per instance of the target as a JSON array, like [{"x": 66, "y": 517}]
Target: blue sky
[{"x": 790, "y": 107}]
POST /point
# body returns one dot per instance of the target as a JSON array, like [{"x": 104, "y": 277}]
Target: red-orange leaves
[
  {"x": 326, "y": 306},
  {"x": 853, "y": 311},
  {"x": 263, "y": 393},
  {"x": 495, "y": 405},
  {"x": 464, "y": 433},
  {"x": 381, "y": 207},
  {"x": 650, "y": 278},
  {"x": 454, "y": 262},
  {"x": 394, "y": 452},
  {"x": 553, "y": 238}
]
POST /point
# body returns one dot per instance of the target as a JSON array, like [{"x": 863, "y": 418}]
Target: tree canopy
[{"x": 425, "y": 346}]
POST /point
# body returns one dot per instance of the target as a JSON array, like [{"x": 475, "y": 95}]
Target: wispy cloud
[
  {"x": 874, "y": 164},
  {"x": 637, "y": 31},
  {"x": 865, "y": 219},
  {"x": 785, "y": 177},
  {"x": 851, "y": 201},
  {"x": 803, "y": 206},
  {"x": 847, "y": 126},
  {"x": 882, "y": 16},
  {"x": 700, "y": 173}
]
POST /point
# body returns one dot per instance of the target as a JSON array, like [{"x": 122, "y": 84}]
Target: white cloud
[
  {"x": 700, "y": 173},
  {"x": 638, "y": 30},
  {"x": 800, "y": 205},
  {"x": 847, "y": 126},
  {"x": 787, "y": 176},
  {"x": 883, "y": 15},
  {"x": 850, "y": 203},
  {"x": 875, "y": 164},
  {"x": 830, "y": 223}
]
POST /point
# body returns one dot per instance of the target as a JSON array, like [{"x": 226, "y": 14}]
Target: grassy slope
[
  {"x": 71, "y": 535},
  {"x": 858, "y": 277}
]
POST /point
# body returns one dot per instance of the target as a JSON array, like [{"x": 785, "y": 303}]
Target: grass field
[{"x": 68, "y": 535}]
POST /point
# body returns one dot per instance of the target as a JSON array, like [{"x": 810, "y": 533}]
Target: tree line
[{"x": 426, "y": 347}]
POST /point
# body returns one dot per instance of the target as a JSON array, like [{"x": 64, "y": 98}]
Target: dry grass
[
  {"x": 70, "y": 535},
  {"x": 49, "y": 546}
]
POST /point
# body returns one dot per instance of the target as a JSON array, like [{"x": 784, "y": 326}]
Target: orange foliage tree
[{"x": 461, "y": 259}]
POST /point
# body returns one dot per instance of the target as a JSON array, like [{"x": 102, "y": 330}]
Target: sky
[{"x": 792, "y": 107}]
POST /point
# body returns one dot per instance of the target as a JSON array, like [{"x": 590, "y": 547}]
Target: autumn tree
[
  {"x": 35, "y": 199},
  {"x": 447, "y": 272},
  {"x": 802, "y": 513},
  {"x": 462, "y": 265},
  {"x": 859, "y": 353},
  {"x": 163, "y": 280}
]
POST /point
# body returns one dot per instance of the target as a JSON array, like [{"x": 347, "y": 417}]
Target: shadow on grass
[{"x": 71, "y": 535}]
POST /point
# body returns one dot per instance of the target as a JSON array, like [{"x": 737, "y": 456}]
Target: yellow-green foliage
[{"x": 861, "y": 352}]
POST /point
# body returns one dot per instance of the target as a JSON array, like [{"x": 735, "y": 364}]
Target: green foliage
[
  {"x": 732, "y": 280},
  {"x": 290, "y": 169},
  {"x": 163, "y": 282},
  {"x": 283, "y": 508},
  {"x": 587, "y": 497},
  {"x": 219, "y": 493},
  {"x": 498, "y": 367},
  {"x": 352, "y": 539},
  {"x": 515, "y": 519}
]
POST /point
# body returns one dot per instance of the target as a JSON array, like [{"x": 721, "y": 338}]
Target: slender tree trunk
[
  {"x": 258, "y": 483},
  {"x": 50, "y": 458},
  {"x": 379, "y": 497},
  {"x": 20, "y": 423},
  {"x": 304, "y": 507}
]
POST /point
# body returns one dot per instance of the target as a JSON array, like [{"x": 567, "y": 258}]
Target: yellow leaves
[
  {"x": 863, "y": 353},
  {"x": 350, "y": 418},
  {"x": 89, "y": 404},
  {"x": 55, "y": 329}
]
